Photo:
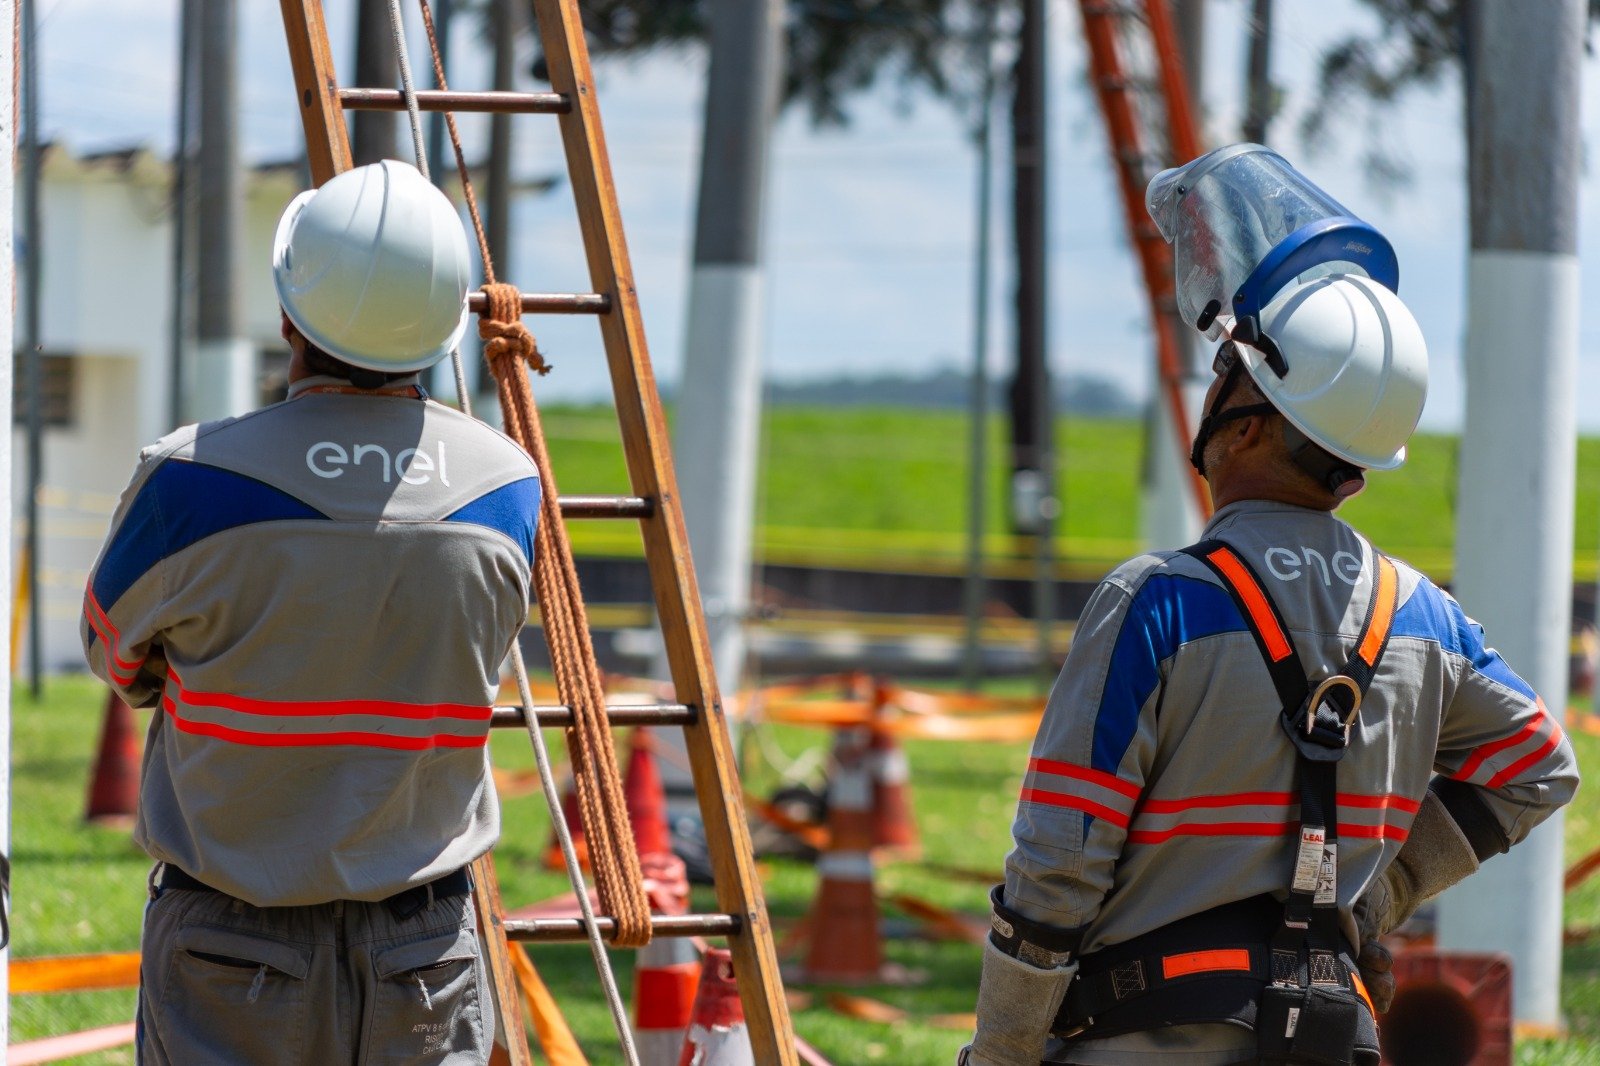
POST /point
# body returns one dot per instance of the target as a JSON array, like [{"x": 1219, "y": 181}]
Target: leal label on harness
[
  {"x": 1327, "y": 878},
  {"x": 1308, "y": 863},
  {"x": 1294, "y": 1022}
]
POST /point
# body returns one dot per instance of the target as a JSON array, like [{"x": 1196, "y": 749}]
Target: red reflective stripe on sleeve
[
  {"x": 1084, "y": 773},
  {"x": 122, "y": 670},
  {"x": 1373, "y": 832},
  {"x": 1255, "y": 601},
  {"x": 1489, "y": 750},
  {"x": 1510, "y": 772},
  {"x": 1382, "y": 615},
  {"x": 1076, "y": 803},
  {"x": 1205, "y": 962}
]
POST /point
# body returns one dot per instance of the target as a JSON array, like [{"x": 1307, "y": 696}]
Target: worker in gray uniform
[
  {"x": 316, "y": 597},
  {"x": 1264, "y": 750}
]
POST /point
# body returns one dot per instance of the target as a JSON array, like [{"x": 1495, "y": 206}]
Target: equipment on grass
[
  {"x": 696, "y": 704},
  {"x": 372, "y": 268},
  {"x": 114, "y": 781},
  {"x": 845, "y": 939},
  {"x": 1243, "y": 224},
  {"x": 718, "y": 1035}
]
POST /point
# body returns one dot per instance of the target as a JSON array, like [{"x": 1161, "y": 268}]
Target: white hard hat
[
  {"x": 373, "y": 268},
  {"x": 1357, "y": 367}
]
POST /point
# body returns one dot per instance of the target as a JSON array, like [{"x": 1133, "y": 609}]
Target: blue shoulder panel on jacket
[
  {"x": 1167, "y": 612},
  {"x": 512, "y": 509},
  {"x": 1428, "y": 614},
  {"x": 179, "y": 505}
]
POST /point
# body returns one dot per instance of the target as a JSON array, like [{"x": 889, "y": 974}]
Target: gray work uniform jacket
[
  {"x": 333, "y": 582},
  {"x": 1160, "y": 784}
]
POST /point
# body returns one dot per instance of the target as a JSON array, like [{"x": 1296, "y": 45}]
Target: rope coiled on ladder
[{"x": 511, "y": 349}]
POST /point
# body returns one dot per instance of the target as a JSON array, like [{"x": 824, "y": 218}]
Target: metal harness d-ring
[{"x": 1320, "y": 693}]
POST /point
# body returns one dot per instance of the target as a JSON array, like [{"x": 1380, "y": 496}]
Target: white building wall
[{"x": 106, "y": 300}]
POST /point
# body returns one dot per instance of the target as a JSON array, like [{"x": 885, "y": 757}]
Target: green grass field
[
  {"x": 886, "y": 488},
  {"x": 79, "y": 889}
]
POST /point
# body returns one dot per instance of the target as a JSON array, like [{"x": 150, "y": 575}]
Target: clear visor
[{"x": 1223, "y": 212}]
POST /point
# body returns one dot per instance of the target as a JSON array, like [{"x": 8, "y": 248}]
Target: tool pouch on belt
[{"x": 1312, "y": 1026}]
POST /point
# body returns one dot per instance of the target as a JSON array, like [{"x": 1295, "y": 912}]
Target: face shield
[{"x": 1243, "y": 224}]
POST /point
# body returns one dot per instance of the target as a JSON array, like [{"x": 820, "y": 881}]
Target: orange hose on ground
[
  {"x": 549, "y": 1025},
  {"x": 74, "y": 973}
]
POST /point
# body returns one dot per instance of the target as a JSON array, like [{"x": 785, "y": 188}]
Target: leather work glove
[
  {"x": 1435, "y": 856},
  {"x": 1377, "y": 975},
  {"x": 1017, "y": 1005}
]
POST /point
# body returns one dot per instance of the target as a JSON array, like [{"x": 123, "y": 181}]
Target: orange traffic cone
[
  {"x": 718, "y": 1035},
  {"x": 114, "y": 785},
  {"x": 666, "y": 971},
  {"x": 846, "y": 946},
  {"x": 893, "y": 826},
  {"x": 646, "y": 798},
  {"x": 580, "y": 844}
]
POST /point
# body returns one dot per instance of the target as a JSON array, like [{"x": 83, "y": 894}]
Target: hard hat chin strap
[{"x": 1216, "y": 418}]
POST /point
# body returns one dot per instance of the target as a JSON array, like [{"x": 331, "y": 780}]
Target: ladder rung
[
  {"x": 504, "y": 103},
  {"x": 622, "y": 714},
  {"x": 551, "y": 303},
  {"x": 565, "y": 929},
  {"x": 607, "y": 507}
]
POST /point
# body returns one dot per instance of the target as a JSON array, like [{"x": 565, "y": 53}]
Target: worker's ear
[
  {"x": 1250, "y": 434},
  {"x": 285, "y": 327}
]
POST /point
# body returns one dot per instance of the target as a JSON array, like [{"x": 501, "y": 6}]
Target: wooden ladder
[{"x": 655, "y": 505}]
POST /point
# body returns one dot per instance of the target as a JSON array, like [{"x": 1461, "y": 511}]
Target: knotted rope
[{"x": 510, "y": 350}]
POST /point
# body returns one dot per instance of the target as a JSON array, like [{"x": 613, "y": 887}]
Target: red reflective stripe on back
[
  {"x": 282, "y": 708},
  {"x": 1255, "y": 601},
  {"x": 1205, "y": 962},
  {"x": 1084, "y": 773},
  {"x": 1529, "y": 759},
  {"x": 1484, "y": 753},
  {"x": 1373, "y": 832},
  {"x": 1237, "y": 799},
  {"x": 1076, "y": 803},
  {"x": 1382, "y": 615},
  {"x": 1395, "y": 802},
  {"x": 315, "y": 740},
  {"x": 1216, "y": 829}
]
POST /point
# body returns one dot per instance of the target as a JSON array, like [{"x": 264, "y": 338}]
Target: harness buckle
[{"x": 1320, "y": 693}]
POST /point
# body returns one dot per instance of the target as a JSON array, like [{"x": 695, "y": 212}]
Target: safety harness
[{"x": 1283, "y": 970}]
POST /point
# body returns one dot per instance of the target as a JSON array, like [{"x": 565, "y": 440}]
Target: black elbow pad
[
  {"x": 1046, "y": 947},
  {"x": 1472, "y": 815}
]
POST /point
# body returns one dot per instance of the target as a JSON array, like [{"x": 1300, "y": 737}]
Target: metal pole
[
  {"x": 373, "y": 133},
  {"x": 497, "y": 224},
  {"x": 8, "y": 133},
  {"x": 1258, "y": 79},
  {"x": 978, "y": 400},
  {"x": 1514, "y": 521},
  {"x": 225, "y": 362},
  {"x": 719, "y": 403},
  {"x": 32, "y": 338},
  {"x": 1035, "y": 505},
  {"x": 442, "y": 10},
  {"x": 182, "y": 174}
]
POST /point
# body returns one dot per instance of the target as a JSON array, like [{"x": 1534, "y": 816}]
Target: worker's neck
[{"x": 1238, "y": 485}]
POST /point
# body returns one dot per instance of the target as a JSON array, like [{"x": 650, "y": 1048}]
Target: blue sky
[{"x": 870, "y": 230}]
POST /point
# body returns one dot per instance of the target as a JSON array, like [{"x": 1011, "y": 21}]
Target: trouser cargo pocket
[
  {"x": 427, "y": 1003},
  {"x": 231, "y": 996}
]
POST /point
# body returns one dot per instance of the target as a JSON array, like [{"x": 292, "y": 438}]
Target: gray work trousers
[{"x": 342, "y": 983}]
